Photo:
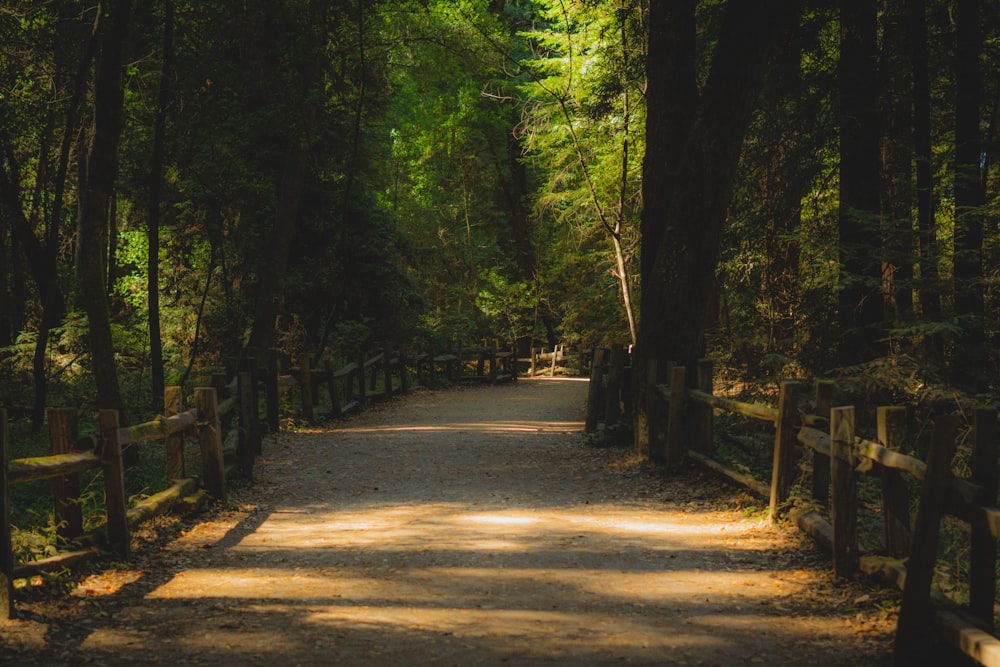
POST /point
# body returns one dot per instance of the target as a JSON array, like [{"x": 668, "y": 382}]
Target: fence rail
[{"x": 679, "y": 426}]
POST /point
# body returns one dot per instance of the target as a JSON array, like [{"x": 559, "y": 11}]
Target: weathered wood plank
[
  {"x": 676, "y": 445},
  {"x": 47, "y": 467},
  {"x": 814, "y": 440},
  {"x": 162, "y": 502},
  {"x": 891, "y": 432},
  {"x": 55, "y": 563},
  {"x": 753, "y": 410},
  {"x": 119, "y": 537},
  {"x": 173, "y": 403},
  {"x": 210, "y": 442},
  {"x": 915, "y": 611},
  {"x": 783, "y": 464},
  {"x": 888, "y": 458},
  {"x": 843, "y": 505},
  {"x": 63, "y": 433},
  {"x": 156, "y": 429},
  {"x": 815, "y": 526}
]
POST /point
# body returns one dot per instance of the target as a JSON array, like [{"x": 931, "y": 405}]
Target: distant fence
[{"x": 679, "y": 426}]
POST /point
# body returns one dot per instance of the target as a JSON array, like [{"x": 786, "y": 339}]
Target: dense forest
[{"x": 796, "y": 189}]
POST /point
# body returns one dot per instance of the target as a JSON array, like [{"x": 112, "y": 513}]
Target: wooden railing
[
  {"x": 72, "y": 454},
  {"x": 227, "y": 423},
  {"x": 385, "y": 371},
  {"x": 679, "y": 427}
]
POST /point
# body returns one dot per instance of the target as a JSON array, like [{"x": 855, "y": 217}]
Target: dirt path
[{"x": 464, "y": 527}]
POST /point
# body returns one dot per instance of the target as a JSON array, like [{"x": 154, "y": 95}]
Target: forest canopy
[{"x": 802, "y": 196}]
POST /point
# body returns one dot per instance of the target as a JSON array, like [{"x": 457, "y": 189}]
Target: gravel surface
[{"x": 463, "y": 527}]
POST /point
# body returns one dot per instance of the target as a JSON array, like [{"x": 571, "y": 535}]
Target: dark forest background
[{"x": 796, "y": 189}]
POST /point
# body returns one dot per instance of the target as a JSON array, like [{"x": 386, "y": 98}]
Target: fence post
[
  {"x": 612, "y": 397},
  {"x": 844, "y": 509},
  {"x": 555, "y": 358},
  {"x": 246, "y": 448},
  {"x": 6, "y": 555},
  {"x": 63, "y": 432},
  {"x": 173, "y": 404},
  {"x": 362, "y": 378},
  {"x": 912, "y": 638},
  {"x": 891, "y": 433},
  {"x": 594, "y": 391},
  {"x": 982, "y": 559},
  {"x": 676, "y": 445},
  {"x": 825, "y": 391},
  {"x": 706, "y": 413},
  {"x": 331, "y": 386},
  {"x": 404, "y": 376},
  {"x": 114, "y": 483},
  {"x": 253, "y": 414},
  {"x": 305, "y": 386},
  {"x": 213, "y": 466},
  {"x": 271, "y": 391},
  {"x": 646, "y": 423},
  {"x": 387, "y": 368},
  {"x": 783, "y": 466}
]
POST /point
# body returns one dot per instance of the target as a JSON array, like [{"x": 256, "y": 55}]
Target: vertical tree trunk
[
  {"x": 95, "y": 195},
  {"x": 969, "y": 197},
  {"x": 930, "y": 295},
  {"x": 680, "y": 280},
  {"x": 155, "y": 197},
  {"x": 860, "y": 289},
  {"x": 897, "y": 153}
]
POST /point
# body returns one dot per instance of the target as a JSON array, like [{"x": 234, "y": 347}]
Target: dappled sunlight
[{"x": 452, "y": 527}]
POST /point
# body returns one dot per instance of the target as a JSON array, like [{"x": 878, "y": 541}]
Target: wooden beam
[
  {"x": 752, "y": 410},
  {"x": 47, "y": 467}
]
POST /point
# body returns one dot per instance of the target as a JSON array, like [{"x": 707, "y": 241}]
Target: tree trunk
[
  {"x": 671, "y": 102},
  {"x": 860, "y": 289},
  {"x": 969, "y": 198},
  {"x": 897, "y": 173},
  {"x": 930, "y": 294},
  {"x": 43, "y": 271},
  {"x": 95, "y": 195},
  {"x": 155, "y": 197},
  {"x": 689, "y": 223}
]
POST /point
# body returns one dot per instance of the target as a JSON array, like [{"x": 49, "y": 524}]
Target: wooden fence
[
  {"x": 372, "y": 376},
  {"x": 227, "y": 423},
  {"x": 680, "y": 417},
  {"x": 72, "y": 454}
]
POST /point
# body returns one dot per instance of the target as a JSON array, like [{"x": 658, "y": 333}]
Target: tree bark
[
  {"x": 155, "y": 198},
  {"x": 969, "y": 197},
  {"x": 930, "y": 295},
  {"x": 897, "y": 172},
  {"x": 860, "y": 289},
  {"x": 95, "y": 195},
  {"x": 687, "y": 223}
]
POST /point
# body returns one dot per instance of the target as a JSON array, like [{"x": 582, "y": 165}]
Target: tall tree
[
  {"x": 155, "y": 202},
  {"x": 969, "y": 196},
  {"x": 685, "y": 214},
  {"x": 929, "y": 289},
  {"x": 860, "y": 288},
  {"x": 897, "y": 154},
  {"x": 96, "y": 191}
]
